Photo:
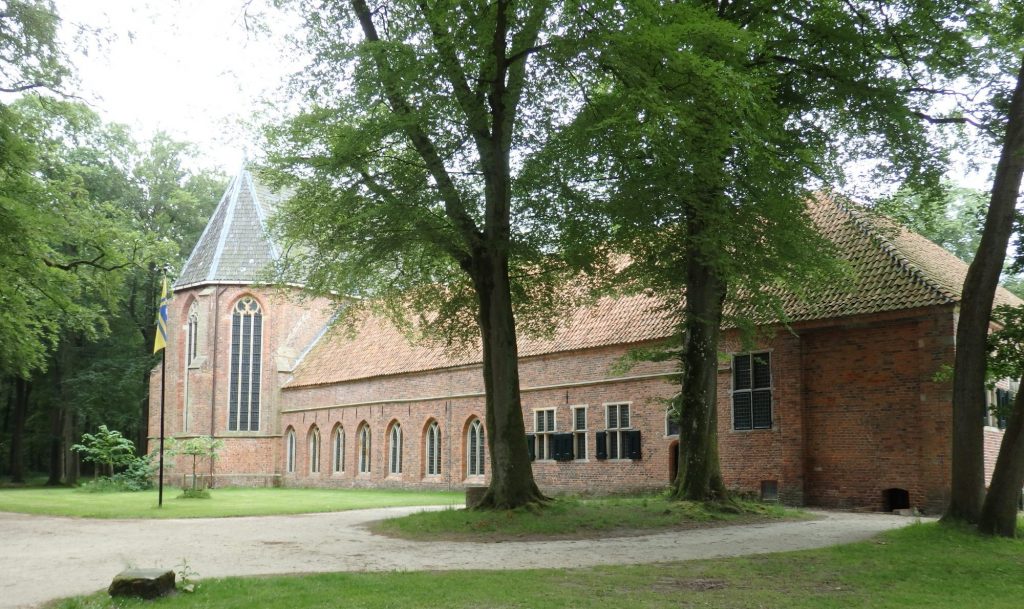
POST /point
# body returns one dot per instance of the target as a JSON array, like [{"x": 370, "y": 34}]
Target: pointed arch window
[
  {"x": 395, "y": 450},
  {"x": 192, "y": 337},
  {"x": 246, "y": 360},
  {"x": 314, "y": 451},
  {"x": 338, "y": 450},
  {"x": 475, "y": 449},
  {"x": 433, "y": 449},
  {"x": 364, "y": 449},
  {"x": 290, "y": 451}
]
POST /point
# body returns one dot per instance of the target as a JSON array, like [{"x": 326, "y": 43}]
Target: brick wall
[
  {"x": 856, "y": 409},
  {"x": 993, "y": 440},
  {"x": 876, "y": 416}
]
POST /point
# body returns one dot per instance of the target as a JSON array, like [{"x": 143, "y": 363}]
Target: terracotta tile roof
[{"x": 892, "y": 269}]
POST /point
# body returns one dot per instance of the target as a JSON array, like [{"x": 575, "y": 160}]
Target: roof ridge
[
  {"x": 893, "y": 251},
  {"x": 202, "y": 235},
  {"x": 236, "y": 189}
]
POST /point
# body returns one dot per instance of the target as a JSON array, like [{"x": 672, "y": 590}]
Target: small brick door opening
[{"x": 895, "y": 499}]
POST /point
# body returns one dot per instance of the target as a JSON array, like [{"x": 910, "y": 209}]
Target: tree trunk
[
  {"x": 55, "y": 453},
  {"x": 999, "y": 513},
  {"x": 71, "y": 461},
  {"x": 22, "y": 388},
  {"x": 968, "y": 476},
  {"x": 512, "y": 483},
  {"x": 700, "y": 476}
]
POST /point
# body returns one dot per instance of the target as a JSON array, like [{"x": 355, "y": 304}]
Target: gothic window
[
  {"x": 192, "y": 336},
  {"x": 433, "y": 449},
  {"x": 364, "y": 449},
  {"x": 290, "y": 451},
  {"x": 475, "y": 449},
  {"x": 338, "y": 460},
  {"x": 246, "y": 358},
  {"x": 314, "y": 450},
  {"x": 395, "y": 450}
]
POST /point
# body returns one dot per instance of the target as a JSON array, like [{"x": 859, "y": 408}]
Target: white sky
[
  {"x": 187, "y": 67},
  {"x": 193, "y": 69}
]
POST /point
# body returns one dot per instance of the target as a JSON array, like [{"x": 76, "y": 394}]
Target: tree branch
[{"x": 454, "y": 206}]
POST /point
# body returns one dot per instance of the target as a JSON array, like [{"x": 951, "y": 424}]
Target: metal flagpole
[
  {"x": 160, "y": 344},
  {"x": 163, "y": 377}
]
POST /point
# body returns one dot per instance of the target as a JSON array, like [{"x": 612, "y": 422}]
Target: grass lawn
[
  {"x": 223, "y": 502},
  {"x": 570, "y": 518},
  {"x": 924, "y": 565}
]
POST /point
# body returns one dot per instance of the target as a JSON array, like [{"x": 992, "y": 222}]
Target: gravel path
[{"x": 44, "y": 557}]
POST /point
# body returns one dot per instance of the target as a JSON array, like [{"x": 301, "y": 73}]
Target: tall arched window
[
  {"x": 395, "y": 449},
  {"x": 364, "y": 449},
  {"x": 192, "y": 344},
  {"x": 433, "y": 449},
  {"x": 314, "y": 450},
  {"x": 475, "y": 449},
  {"x": 246, "y": 352},
  {"x": 338, "y": 460},
  {"x": 289, "y": 451}
]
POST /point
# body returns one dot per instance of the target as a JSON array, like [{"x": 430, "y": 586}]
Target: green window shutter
[
  {"x": 633, "y": 444},
  {"x": 563, "y": 447},
  {"x": 531, "y": 446},
  {"x": 602, "y": 444}
]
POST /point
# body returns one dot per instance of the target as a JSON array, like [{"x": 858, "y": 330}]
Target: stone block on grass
[{"x": 142, "y": 583}]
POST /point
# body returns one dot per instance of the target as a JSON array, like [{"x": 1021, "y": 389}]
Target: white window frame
[
  {"x": 338, "y": 450},
  {"x": 365, "y": 444},
  {"x": 613, "y": 434},
  {"x": 433, "y": 449},
  {"x": 543, "y": 441},
  {"x": 290, "y": 452},
  {"x": 579, "y": 434},
  {"x": 395, "y": 450},
  {"x": 314, "y": 450},
  {"x": 475, "y": 448}
]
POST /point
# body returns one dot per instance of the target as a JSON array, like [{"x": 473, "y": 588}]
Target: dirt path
[{"x": 43, "y": 557}]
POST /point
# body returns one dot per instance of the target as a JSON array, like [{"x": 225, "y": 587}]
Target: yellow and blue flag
[{"x": 161, "y": 320}]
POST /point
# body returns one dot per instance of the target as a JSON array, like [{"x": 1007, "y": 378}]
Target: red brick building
[{"x": 842, "y": 408}]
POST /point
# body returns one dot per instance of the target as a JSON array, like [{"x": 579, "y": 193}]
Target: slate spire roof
[{"x": 235, "y": 247}]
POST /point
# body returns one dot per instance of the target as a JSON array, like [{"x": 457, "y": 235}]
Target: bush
[
  {"x": 137, "y": 476},
  {"x": 191, "y": 493}
]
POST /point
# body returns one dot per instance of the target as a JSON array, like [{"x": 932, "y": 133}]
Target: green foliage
[
  {"x": 106, "y": 447},
  {"x": 29, "y": 49},
  {"x": 137, "y": 476},
  {"x": 205, "y": 447},
  {"x": 195, "y": 493}
]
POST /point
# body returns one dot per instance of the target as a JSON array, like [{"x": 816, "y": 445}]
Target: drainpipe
[{"x": 213, "y": 368}]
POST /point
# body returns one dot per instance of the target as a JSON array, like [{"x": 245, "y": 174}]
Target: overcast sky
[
  {"x": 188, "y": 67},
  {"x": 194, "y": 69}
]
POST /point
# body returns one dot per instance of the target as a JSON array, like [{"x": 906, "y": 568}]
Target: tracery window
[
  {"x": 433, "y": 449},
  {"x": 290, "y": 451},
  {"x": 246, "y": 360},
  {"x": 338, "y": 460},
  {"x": 364, "y": 449},
  {"x": 192, "y": 344},
  {"x": 395, "y": 449},
  {"x": 475, "y": 449}
]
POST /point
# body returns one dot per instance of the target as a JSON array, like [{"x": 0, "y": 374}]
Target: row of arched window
[{"x": 474, "y": 446}]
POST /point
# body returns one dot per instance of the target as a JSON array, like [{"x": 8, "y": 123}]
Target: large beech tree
[
  {"x": 709, "y": 124},
  {"x": 408, "y": 190}
]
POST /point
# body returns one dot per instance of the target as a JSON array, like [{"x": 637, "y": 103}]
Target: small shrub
[{"x": 193, "y": 493}]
